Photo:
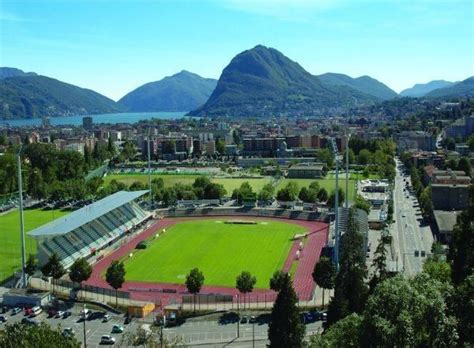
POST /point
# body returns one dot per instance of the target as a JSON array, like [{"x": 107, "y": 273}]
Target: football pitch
[
  {"x": 10, "y": 242},
  {"x": 220, "y": 250}
]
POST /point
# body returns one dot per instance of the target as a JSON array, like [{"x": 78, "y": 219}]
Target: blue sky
[{"x": 115, "y": 46}]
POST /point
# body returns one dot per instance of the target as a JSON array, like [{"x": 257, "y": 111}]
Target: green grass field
[
  {"x": 229, "y": 183},
  {"x": 169, "y": 180},
  {"x": 10, "y": 243},
  {"x": 221, "y": 251}
]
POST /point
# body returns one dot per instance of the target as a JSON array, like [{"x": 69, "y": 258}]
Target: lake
[{"x": 131, "y": 117}]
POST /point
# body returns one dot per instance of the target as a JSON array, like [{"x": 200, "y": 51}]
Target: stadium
[{"x": 220, "y": 242}]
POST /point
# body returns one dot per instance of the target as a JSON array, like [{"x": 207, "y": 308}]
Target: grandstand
[{"x": 86, "y": 231}]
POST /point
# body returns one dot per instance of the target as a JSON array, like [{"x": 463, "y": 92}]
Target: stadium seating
[{"x": 93, "y": 235}]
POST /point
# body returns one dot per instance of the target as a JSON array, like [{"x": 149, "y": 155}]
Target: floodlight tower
[
  {"x": 149, "y": 167},
  {"x": 336, "y": 207},
  {"x": 347, "y": 169},
  {"x": 22, "y": 224}
]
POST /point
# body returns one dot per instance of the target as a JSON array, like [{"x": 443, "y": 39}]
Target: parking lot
[{"x": 95, "y": 326}]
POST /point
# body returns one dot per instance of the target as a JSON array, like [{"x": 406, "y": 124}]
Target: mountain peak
[
  {"x": 12, "y": 72},
  {"x": 182, "y": 91},
  {"x": 263, "y": 81}
]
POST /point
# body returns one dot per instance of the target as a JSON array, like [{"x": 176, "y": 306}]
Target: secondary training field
[
  {"x": 169, "y": 180},
  {"x": 221, "y": 251},
  {"x": 10, "y": 242}
]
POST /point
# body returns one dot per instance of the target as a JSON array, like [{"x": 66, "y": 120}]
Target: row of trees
[{"x": 52, "y": 173}]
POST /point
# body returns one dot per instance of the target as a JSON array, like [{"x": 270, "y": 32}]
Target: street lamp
[
  {"x": 22, "y": 225},
  {"x": 84, "y": 324}
]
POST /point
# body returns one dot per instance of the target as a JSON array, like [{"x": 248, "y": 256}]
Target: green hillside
[{"x": 36, "y": 96}]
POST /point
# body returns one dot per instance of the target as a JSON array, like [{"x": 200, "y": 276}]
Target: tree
[
  {"x": 266, "y": 193},
  {"x": 110, "y": 147},
  {"x": 31, "y": 265},
  {"x": 350, "y": 291},
  {"x": 380, "y": 263},
  {"x": 289, "y": 192},
  {"x": 115, "y": 276},
  {"x": 408, "y": 313},
  {"x": 332, "y": 198},
  {"x": 220, "y": 146},
  {"x": 463, "y": 308},
  {"x": 461, "y": 248},
  {"x": 244, "y": 193},
  {"x": 361, "y": 203},
  {"x": 325, "y": 156},
  {"x": 285, "y": 328},
  {"x": 194, "y": 282},
  {"x": 276, "y": 280},
  {"x": 437, "y": 269},
  {"x": 53, "y": 268},
  {"x": 345, "y": 333},
  {"x": 80, "y": 271},
  {"x": 36, "y": 187},
  {"x": 245, "y": 283},
  {"x": 324, "y": 273},
  {"x": 465, "y": 165},
  {"x": 25, "y": 335},
  {"x": 323, "y": 195}
]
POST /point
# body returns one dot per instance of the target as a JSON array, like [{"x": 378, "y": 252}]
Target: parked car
[
  {"x": 244, "y": 320},
  {"x": 128, "y": 319},
  {"x": 59, "y": 314},
  {"x": 4, "y": 309},
  {"x": 3, "y": 319},
  {"x": 117, "y": 329},
  {"x": 252, "y": 319},
  {"x": 67, "y": 314},
  {"x": 107, "y": 339},
  {"x": 35, "y": 311},
  {"x": 52, "y": 313},
  {"x": 106, "y": 318},
  {"x": 68, "y": 332},
  {"x": 16, "y": 310}
]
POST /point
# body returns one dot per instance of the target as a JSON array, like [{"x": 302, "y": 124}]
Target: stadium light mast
[
  {"x": 149, "y": 166},
  {"x": 347, "y": 169},
  {"x": 336, "y": 208},
  {"x": 22, "y": 223}
]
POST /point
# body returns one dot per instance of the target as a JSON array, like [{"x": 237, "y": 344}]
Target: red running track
[{"x": 153, "y": 292}]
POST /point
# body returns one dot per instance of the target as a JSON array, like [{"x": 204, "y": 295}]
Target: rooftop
[
  {"x": 446, "y": 219},
  {"x": 86, "y": 214}
]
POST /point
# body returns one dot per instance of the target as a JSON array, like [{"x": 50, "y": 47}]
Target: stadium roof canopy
[{"x": 86, "y": 214}]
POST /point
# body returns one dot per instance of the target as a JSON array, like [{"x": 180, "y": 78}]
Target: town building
[{"x": 313, "y": 171}]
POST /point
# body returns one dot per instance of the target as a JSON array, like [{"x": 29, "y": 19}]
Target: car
[
  {"x": 52, "y": 313},
  {"x": 59, "y": 314},
  {"x": 117, "y": 329},
  {"x": 106, "y": 318},
  {"x": 4, "y": 309},
  {"x": 403, "y": 215},
  {"x": 16, "y": 310},
  {"x": 128, "y": 319},
  {"x": 68, "y": 332},
  {"x": 252, "y": 320},
  {"x": 67, "y": 314},
  {"x": 417, "y": 253},
  {"x": 28, "y": 311},
  {"x": 107, "y": 339},
  {"x": 30, "y": 321},
  {"x": 244, "y": 320},
  {"x": 3, "y": 319}
]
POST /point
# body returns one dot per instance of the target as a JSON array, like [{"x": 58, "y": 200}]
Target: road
[
  {"x": 213, "y": 333},
  {"x": 412, "y": 239}
]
